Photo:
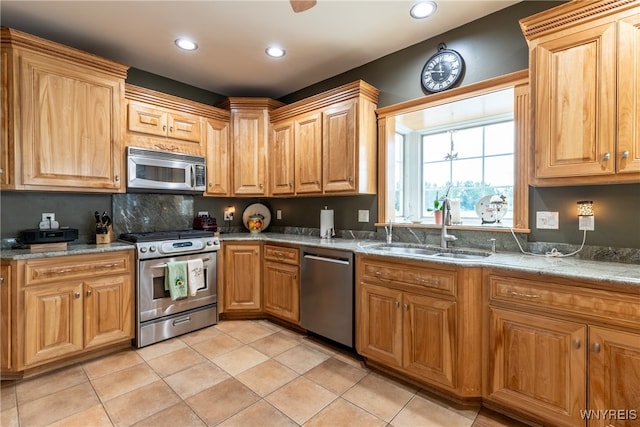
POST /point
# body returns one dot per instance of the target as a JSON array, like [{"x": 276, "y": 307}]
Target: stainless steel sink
[
  {"x": 458, "y": 255},
  {"x": 432, "y": 252},
  {"x": 407, "y": 250}
]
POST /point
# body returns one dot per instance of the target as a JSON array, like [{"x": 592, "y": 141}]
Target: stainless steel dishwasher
[{"x": 326, "y": 294}]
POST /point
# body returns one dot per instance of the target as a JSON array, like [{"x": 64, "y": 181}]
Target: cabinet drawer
[
  {"x": 594, "y": 303},
  {"x": 281, "y": 254},
  {"x": 76, "y": 267},
  {"x": 441, "y": 281}
]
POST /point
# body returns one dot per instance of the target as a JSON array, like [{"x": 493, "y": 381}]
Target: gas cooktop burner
[{"x": 156, "y": 236}]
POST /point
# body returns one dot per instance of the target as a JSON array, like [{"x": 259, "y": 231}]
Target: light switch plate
[
  {"x": 363, "y": 215},
  {"x": 278, "y": 214},
  {"x": 547, "y": 220}
]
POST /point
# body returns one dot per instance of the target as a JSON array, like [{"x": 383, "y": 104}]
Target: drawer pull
[
  {"x": 380, "y": 275},
  {"x": 430, "y": 281},
  {"x": 596, "y": 347},
  {"x": 576, "y": 344},
  {"x": 523, "y": 295}
]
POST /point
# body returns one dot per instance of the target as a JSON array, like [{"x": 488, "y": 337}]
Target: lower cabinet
[
  {"x": 408, "y": 318},
  {"x": 242, "y": 281},
  {"x": 561, "y": 353},
  {"x": 69, "y": 305},
  {"x": 281, "y": 282}
]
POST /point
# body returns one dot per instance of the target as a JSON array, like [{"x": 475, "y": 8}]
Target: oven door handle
[{"x": 165, "y": 264}]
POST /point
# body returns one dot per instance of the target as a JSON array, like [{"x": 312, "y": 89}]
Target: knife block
[{"x": 105, "y": 237}]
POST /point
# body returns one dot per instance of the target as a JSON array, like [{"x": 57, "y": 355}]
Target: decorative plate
[
  {"x": 487, "y": 211},
  {"x": 256, "y": 209}
]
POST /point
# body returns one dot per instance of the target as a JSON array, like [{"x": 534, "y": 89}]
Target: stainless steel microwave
[{"x": 161, "y": 171}]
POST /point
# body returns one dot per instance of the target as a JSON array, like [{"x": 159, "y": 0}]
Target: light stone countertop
[
  {"x": 72, "y": 249},
  {"x": 569, "y": 267}
]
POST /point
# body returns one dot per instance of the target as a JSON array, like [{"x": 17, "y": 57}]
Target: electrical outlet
[
  {"x": 547, "y": 220},
  {"x": 48, "y": 217},
  {"x": 363, "y": 215},
  {"x": 203, "y": 213},
  {"x": 228, "y": 216},
  {"x": 586, "y": 223},
  {"x": 278, "y": 214}
]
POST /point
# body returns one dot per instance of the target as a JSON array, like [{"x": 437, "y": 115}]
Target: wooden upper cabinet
[
  {"x": 281, "y": 160},
  {"x": 164, "y": 122},
  {"x": 334, "y": 141},
  {"x": 249, "y": 138},
  {"x": 68, "y": 133},
  {"x": 308, "y": 153},
  {"x": 584, "y": 71},
  {"x": 629, "y": 94},
  {"x": 218, "y": 154}
]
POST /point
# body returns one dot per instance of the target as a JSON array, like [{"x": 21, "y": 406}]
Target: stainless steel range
[{"x": 158, "y": 317}]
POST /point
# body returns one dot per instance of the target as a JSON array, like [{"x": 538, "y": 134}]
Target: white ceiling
[{"x": 332, "y": 37}]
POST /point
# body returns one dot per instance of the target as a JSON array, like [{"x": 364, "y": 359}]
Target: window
[{"x": 467, "y": 147}]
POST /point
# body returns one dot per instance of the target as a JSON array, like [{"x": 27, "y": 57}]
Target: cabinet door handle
[
  {"x": 89, "y": 292},
  {"x": 117, "y": 178},
  {"x": 607, "y": 156},
  {"x": 625, "y": 154},
  {"x": 76, "y": 294},
  {"x": 576, "y": 344},
  {"x": 171, "y": 129},
  {"x": 397, "y": 304},
  {"x": 164, "y": 128},
  {"x": 596, "y": 347},
  {"x": 406, "y": 307},
  {"x": 1, "y": 279}
]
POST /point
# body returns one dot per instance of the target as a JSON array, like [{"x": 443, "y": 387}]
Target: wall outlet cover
[
  {"x": 363, "y": 215},
  {"x": 203, "y": 213},
  {"x": 48, "y": 216},
  {"x": 547, "y": 220},
  {"x": 586, "y": 223},
  {"x": 278, "y": 214}
]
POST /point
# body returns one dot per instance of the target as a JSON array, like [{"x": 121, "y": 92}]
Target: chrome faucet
[
  {"x": 389, "y": 232},
  {"x": 446, "y": 220}
]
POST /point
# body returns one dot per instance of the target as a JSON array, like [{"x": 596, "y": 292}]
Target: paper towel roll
[{"x": 326, "y": 224}]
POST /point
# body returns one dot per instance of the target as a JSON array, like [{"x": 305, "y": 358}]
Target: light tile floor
[{"x": 236, "y": 373}]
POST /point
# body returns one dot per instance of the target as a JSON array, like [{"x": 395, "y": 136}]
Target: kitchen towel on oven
[
  {"x": 175, "y": 279},
  {"x": 195, "y": 275}
]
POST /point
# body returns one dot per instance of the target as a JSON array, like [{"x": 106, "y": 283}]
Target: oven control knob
[
  {"x": 152, "y": 249},
  {"x": 209, "y": 242},
  {"x": 143, "y": 250}
]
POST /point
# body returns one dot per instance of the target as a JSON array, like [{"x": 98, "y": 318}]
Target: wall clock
[{"x": 442, "y": 70}]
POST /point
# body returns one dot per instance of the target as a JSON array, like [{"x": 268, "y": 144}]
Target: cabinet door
[
  {"x": 108, "y": 309},
  {"x": 429, "y": 338},
  {"x": 614, "y": 378},
  {"x": 537, "y": 365},
  {"x": 282, "y": 291},
  {"x": 144, "y": 118},
  {"x": 242, "y": 278},
  {"x": 71, "y": 125},
  {"x": 53, "y": 322},
  {"x": 628, "y": 154},
  {"x": 249, "y": 153},
  {"x": 308, "y": 143},
  {"x": 281, "y": 159},
  {"x": 218, "y": 157},
  {"x": 6, "y": 121},
  {"x": 339, "y": 140},
  {"x": 379, "y": 324},
  {"x": 5, "y": 317},
  {"x": 575, "y": 103},
  {"x": 184, "y": 126}
]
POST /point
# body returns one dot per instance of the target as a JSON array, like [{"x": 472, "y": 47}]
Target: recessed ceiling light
[
  {"x": 275, "y": 52},
  {"x": 186, "y": 44},
  {"x": 423, "y": 9}
]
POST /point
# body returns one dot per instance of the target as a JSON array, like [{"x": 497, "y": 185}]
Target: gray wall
[{"x": 490, "y": 46}]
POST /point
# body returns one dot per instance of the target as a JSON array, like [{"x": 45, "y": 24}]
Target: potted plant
[{"x": 438, "y": 206}]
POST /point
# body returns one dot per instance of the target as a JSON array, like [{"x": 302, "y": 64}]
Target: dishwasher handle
[{"x": 325, "y": 259}]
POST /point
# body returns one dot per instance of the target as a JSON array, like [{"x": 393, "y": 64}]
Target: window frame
[{"x": 386, "y": 146}]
